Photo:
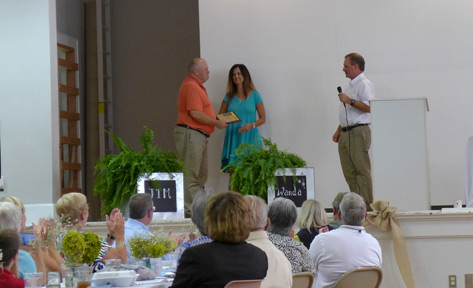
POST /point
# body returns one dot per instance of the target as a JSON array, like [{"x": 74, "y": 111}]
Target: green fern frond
[{"x": 255, "y": 167}]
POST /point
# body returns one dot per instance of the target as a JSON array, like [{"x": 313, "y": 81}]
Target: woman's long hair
[{"x": 248, "y": 85}]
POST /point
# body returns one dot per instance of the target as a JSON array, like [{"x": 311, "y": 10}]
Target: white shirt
[
  {"x": 340, "y": 250},
  {"x": 279, "y": 273},
  {"x": 360, "y": 89}
]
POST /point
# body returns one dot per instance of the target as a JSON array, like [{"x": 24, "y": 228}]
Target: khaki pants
[
  {"x": 192, "y": 150},
  {"x": 353, "y": 149}
]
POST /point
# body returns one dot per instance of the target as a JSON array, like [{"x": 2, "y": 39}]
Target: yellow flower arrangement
[
  {"x": 80, "y": 247},
  {"x": 150, "y": 245}
]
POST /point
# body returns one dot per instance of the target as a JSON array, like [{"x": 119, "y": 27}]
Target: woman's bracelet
[{"x": 254, "y": 125}]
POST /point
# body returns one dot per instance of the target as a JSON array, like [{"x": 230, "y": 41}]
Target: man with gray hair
[
  {"x": 345, "y": 248},
  {"x": 196, "y": 121},
  {"x": 336, "y": 207},
  {"x": 282, "y": 217},
  {"x": 279, "y": 274},
  {"x": 197, "y": 216},
  {"x": 141, "y": 209}
]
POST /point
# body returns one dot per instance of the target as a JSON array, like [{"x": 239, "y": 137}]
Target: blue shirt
[
  {"x": 25, "y": 264},
  {"x": 133, "y": 226}
]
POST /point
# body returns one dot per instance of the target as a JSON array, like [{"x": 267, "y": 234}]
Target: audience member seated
[
  {"x": 312, "y": 220},
  {"x": 228, "y": 257},
  {"x": 141, "y": 209},
  {"x": 279, "y": 273},
  {"x": 72, "y": 209},
  {"x": 336, "y": 207},
  {"x": 11, "y": 218},
  {"x": 344, "y": 248},
  {"x": 197, "y": 217},
  {"x": 9, "y": 246},
  {"x": 282, "y": 217},
  {"x": 49, "y": 254}
]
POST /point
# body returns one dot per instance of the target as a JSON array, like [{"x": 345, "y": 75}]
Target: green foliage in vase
[
  {"x": 73, "y": 247},
  {"x": 92, "y": 247},
  {"x": 80, "y": 248},
  {"x": 118, "y": 174},
  {"x": 255, "y": 166},
  {"x": 150, "y": 245}
]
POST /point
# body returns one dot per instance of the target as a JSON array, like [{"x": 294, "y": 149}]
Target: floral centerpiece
[
  {"x": 155, "y": 245},
  {"x": 80, "y": 248}
]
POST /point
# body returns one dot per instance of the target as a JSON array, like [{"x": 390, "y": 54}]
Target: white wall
[
  {"x": 295, "y": 51},
  {"x": 29, "y": 100}
]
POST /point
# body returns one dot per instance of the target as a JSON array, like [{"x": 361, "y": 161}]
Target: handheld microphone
[{"x": 339, "y": 89}]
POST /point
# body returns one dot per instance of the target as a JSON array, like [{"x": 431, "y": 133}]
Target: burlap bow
[{"x": 382, "y": 217}]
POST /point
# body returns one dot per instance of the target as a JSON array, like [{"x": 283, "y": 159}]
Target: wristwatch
[{"x": 352, "y": 102}]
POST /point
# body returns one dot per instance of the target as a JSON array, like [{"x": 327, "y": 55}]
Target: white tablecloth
[{"x": 469, "y": 173}]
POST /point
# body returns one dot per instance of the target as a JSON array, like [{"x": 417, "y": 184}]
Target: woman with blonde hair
[
  {"x": 73, "y": 211},
  {"x": 47, "y": 253},
  {"x": 312, "y": 220},
  {"x": 228, "y": 221}
]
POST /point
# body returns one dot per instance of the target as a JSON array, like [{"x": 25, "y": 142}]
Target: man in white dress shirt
[
  {"x": 353, "y": 135},
  {"x": 279, "y": 274},
  {"x": 345, "y": 248}
]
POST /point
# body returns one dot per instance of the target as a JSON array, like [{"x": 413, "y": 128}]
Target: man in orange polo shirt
[{"x": 196, "y": 121}]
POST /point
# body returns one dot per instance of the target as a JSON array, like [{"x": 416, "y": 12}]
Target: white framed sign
[
  {"x": 298, "y": 192},
  {"x": 167, "y": 194}
]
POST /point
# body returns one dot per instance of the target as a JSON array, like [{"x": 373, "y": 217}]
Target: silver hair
[
  {"x": 282, "y": 216},
  {"x": 195, "y": 62},
  {"x": 139, "y": 205},
  {"x": 10, "y": 216},
  {"x": 259, "y": 209},
  {"x": 337, "y": 200},
  {"x": 198, "y": 209},
  {"x": 353, "y": 209}
]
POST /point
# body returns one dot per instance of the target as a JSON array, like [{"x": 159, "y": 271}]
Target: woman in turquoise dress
[{"x": 242, "y": 99}]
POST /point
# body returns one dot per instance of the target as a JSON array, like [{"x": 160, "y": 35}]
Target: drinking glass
[
  {"x": 82, "y": 277},
  {"x": 53, "y": 280},
  {"x": 33, "y": 279}
]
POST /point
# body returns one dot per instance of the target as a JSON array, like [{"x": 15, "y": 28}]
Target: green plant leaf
[{"x": 255, "y": 167}]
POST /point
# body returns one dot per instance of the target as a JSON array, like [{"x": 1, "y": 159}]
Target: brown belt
[{"x": 200, "y": 131}]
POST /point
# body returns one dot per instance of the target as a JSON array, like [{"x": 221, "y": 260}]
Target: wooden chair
[
  {"x": 302, "y": 280},
  {"x": 366, "y": 277},
  {"x": 244, "y": 284}
]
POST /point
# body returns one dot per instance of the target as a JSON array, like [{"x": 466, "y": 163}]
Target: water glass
[
  {"x": 156, "y": 266},
  {"x": 53, "y": 280},
  {"x": 82, "y": 277},
  {"x": 113, "y": 264},
  {"x": 33, "y": 279}
]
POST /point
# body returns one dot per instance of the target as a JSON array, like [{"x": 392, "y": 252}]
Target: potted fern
[
  {"x": 118, "y": 174},
  {"x": 255, "y": 167}
]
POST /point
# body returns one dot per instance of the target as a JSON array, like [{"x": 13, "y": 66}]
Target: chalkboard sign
[
  {"x": 167, "y": 192},
  {"x": 297, "y": 192},
  {"x": 297, "y": 187},
  {"x": 163, "y": 193}
]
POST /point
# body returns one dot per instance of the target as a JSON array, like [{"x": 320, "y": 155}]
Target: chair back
[
  {"x": 366, "y": 277},
  {"x": 302, "y": 280},
  {"x": 244, "y": 284}
]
